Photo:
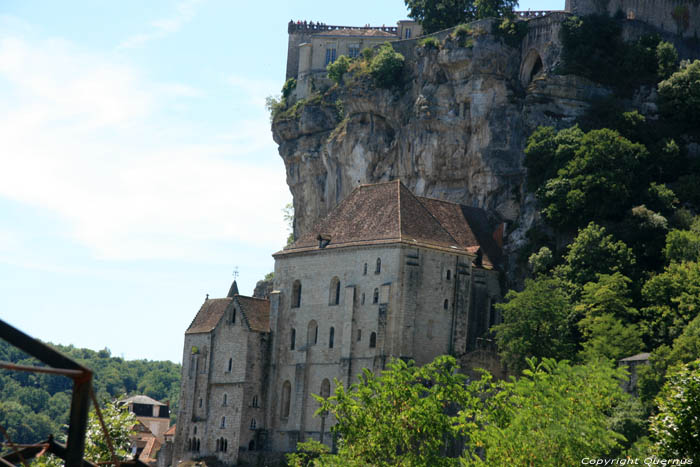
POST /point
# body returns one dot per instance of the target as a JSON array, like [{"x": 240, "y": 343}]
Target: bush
[
  {"x": 462, "y": 34},
  {"x": 386, "y": 66},
  {"x": 667, "y": 58},
  {"x": 289, "y": 86},
  {"x": 511, "y": 32},
  {"x": 367, "y": 54},
  {"x": 429, "y": 43},
  {"x": 337, "y": 69},
  {"x": 679, "y": 95}
]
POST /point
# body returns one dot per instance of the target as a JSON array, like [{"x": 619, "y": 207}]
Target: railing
[
  {"x": 310, "y": 26},
  {"x": 529, "y": 14}
]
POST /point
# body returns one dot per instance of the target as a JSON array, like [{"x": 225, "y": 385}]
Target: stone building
[
  {"x": 312, "y": 46},
  {"x": 385, "y": 275},
  {"x": 223, "y": 378}
]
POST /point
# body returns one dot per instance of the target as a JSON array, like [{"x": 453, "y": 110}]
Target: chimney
[{"x": 499, "y": 233}]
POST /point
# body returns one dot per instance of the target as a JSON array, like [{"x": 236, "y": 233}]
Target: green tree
[
  {"x": 667, "y": 57},
  {"x": 406, "y": 416},
  {"x": 673, "y": 300},
  {"x": 554, "y": 415},
  {"x": 338, "y": 68},
  {"x": 607, "y": 314},
  {"x": 683, "y": 245},
  {"x": 593, "y": 252},
  {"x": 679, "y": 95},
  {"x": 676, "y": 426},
  {"x": 536, "y": 323},
  {"x": 435, "y": 15},
  {"x": 386, "y": 65}
]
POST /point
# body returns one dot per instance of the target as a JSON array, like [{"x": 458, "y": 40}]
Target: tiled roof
[
  {"x": 148, "y": 455},
  {"x": 256, "y": 312},
  {"x": 357, "y": 32},
  {"x": 640, "y": 357},
  {"x": 171, "y": 431},
  {"x": 208, "y": 315},
  {"x": 389, "y": 212}
]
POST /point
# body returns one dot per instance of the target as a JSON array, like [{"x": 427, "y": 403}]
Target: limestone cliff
[{"x": 456, "y": 129}]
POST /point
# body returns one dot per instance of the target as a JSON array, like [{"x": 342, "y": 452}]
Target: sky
[{"x": 137, "y": 166}]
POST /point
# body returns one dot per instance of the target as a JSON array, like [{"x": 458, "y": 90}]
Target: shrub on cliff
[
  {"x": 337, "y": 69},
  {"x": 436, "y": 15},
  {"x": 385, "y": 67},
  {"x": 680, "y": 95}
]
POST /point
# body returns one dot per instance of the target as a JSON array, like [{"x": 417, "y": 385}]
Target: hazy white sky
[{"x": 137, "y": 168}]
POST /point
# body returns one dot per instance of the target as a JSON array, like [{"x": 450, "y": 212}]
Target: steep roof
[
  {"x": 233, "y": 290},
  {"x": 256, "y": 312},
  {"x": 208, "y": 315},
  {"x": 388, "y": 213}
]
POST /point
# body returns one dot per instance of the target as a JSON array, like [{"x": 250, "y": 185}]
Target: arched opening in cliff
[{"x": 532, "y": 66}]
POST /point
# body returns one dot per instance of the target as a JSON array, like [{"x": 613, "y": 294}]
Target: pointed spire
[{"x": 233, "y": 290}]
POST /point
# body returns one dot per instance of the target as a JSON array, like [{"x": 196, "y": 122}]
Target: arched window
[
  {"x": 365, "y": 271},
  {"x": 296, "y": 294},
  {"x": 195, "y": 430},
  {"x": 373, "y": 340},
  {"x": 325, "y": 388},
  {"x": 251, "y": 445},
  {"x": 286, "y": 398},
  {"x": 379, "y": 266},
  {"x": 363, "y": 298},
  {"x": 293, "y": 339},
  {"x": 331, "y": 337},
  {"x": 223, "y": 422},
  {"x": 218, "y": 445},
  {"x": 255, "y": 401},
  {"x": 253, "y": 424},
  {"x": 225, "y": 445},
  {"x": 198, "y": 440},
  {"x": 230, "y": 364},
  {"x": 225, "y": 398},
  {"x": 312, "y": 333},
  {"x": 375, "y": 297},
  {"x": 334, "y": 292},
  {"x": 445, "y": 304},
  {"x": 449, "y": 274}
]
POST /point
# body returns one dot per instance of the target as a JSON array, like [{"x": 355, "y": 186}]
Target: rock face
[{"x": 455, "y": 130}]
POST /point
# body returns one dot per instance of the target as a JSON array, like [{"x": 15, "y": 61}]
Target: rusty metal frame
[{"x": 59, "y": 364}]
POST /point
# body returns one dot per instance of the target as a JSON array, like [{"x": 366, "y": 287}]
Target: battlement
[
  {"x": 309, "y": 27},
  {"x": 529, "y": 14}
]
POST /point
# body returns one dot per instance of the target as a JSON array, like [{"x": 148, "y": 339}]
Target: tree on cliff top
[{"x": 442, "y": 14}]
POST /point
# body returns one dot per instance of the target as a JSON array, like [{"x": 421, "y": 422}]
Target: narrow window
[
  {"x": 359, "y": 335},
  {"x": 449, "y": 274},
  {"x": 225, "y": 398},
  {"x": 330, "y": 337},
  {"x": 218, "y": 445},
  {"x": 408, "y": 33},
  {"x": 365, "y": 272},
  {"x": 312, "y": 333},
  {"x": 195, "y": 428},
  {"x": 293, "y": 339},
  {"x": 230, "y": 364},
  {"x": 296, "y": 294},
  {"x": 233, "y": 316},
  {"x": 363, "y": 299},
  {"x": 334, "y": 292},
  {"x": 198, "y": 441},
  {"x": 375, "y": 297},
  {"x": 286, "y": 398},
  {"x": 255, "y": 401},
  {"x": 200, "y": 406},
  {"x": 223, "y": 422},
  {"x": 251, "y": 445},
  {"x": 253, "y": 424},
  {"x": 445, "y": 304},
  {"x": 379, "y": 266},
  {"x": 325, "y": 388},
  {"x": 225, "y": 445},
  {"x": 373, "y": 340}
]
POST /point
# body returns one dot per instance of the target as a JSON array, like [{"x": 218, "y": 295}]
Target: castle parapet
[
  {"x": 535, "y": 13},
  {"x": 311, "y": 27}
]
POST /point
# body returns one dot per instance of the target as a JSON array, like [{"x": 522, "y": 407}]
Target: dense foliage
[
  {"x": 443, "y": 14},
  {"x": 35, "y": 405},
  {"x": 553, "y": 415}
]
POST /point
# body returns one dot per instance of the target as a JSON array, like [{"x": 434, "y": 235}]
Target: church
[{"x": 386, "y": 274}]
